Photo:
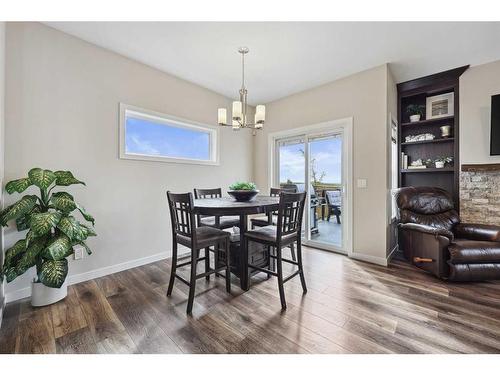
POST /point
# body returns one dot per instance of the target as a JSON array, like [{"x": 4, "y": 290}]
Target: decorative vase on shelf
[
  {"x": 414, "y": 118},
  {"x": 445, "y": 131},
  {"x": 439, "y": 164}
]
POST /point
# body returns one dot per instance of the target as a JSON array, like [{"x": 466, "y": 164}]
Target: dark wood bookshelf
[
  {"x": 439, "y": 140},
  {"x": 416, "y": 92},
  {"x": 429, "y": 170},
  {"x": 431, "y": 121}
]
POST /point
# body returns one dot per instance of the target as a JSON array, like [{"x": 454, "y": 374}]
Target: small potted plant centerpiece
[
  {"x": 415, "y": 111},
  {"x": 52, "y": 233},
  {"x": 441, "y": 161},
  {"x": 243, "y": 191}
]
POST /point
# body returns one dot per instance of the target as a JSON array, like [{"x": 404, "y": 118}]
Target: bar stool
[
  {"x": 219, "y": 222},
  {"x": 272, "y": 219},
  {"x": 287, "y": 231},
  {"x": 185, "y": 232}
]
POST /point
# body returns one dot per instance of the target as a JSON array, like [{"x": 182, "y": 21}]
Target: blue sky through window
[
  {"x": 147, "y": 137},
  {"x": 326, "y": 152}
]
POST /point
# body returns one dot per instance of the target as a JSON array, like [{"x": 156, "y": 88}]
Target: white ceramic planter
[
  {"x": 440, "y": 164},
  {"x": 42, "y": 295},
  {"x": 414, "y": 118}
]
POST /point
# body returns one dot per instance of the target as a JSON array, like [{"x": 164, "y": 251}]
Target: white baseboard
[
  {"x": 369, "y": 258},
  {"x": 94, "y": 274}
]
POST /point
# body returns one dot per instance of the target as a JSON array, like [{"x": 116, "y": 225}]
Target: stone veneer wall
[{"x": 480, "y": 197}]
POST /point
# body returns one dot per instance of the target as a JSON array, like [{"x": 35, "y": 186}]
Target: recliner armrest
[
  {"x": 427, "y": 229},
  {"x": 478, "y": 232}
]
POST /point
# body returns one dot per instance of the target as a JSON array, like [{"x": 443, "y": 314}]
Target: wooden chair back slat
[
  {"x": 207, "y": 193},
  {"x": 181, "y": 213},
  {"x": 290, "y": 213}
]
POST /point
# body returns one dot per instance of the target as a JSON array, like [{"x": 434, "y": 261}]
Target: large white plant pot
[{"x": 42, "y": 295}]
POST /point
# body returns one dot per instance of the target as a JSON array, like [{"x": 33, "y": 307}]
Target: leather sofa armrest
[
  {"x": 427, "y": 229},
  {"x": 478, "y": 232}
]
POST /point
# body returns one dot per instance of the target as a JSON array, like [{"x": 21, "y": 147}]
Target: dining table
[{"x": 227, "y": 206}]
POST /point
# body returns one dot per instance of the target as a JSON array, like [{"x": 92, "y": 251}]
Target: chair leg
[
  {"x": 301, "y": 269},
  {"x": 173, "y": 268},
  {"x": 216, "y": 261},
  {"x": 280, "y": 278},
  {"x": 192, "y": 280},
  {"x": 292, "y": 251},
  {"x": 269, "y": 259},
  {"x": 228, "y": 266},
  {"x": 207, "y": 262},
  {"x": 338, "y": 219}
]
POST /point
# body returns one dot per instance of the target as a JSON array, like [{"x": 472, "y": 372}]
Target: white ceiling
[{"x": 286, "y": 58}]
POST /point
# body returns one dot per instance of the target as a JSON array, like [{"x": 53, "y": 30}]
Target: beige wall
[
  {"x": 362, "y": 96},
  {"x": 477, "y": 85},
  {"x": 62, "y": 113}
]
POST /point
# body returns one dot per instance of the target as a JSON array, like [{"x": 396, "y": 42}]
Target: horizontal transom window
[{"x": 147, "y": 135}]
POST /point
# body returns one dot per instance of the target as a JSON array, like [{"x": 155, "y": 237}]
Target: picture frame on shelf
[{"x": 439, "y": 106}]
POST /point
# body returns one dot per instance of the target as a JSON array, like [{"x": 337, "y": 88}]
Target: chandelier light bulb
[{"x": 222, "y": 116}]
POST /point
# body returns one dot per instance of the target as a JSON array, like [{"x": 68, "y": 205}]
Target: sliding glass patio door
[{"x": 314, "y": 162}]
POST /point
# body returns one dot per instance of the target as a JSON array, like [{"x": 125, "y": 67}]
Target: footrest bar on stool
[
  {"x": 291, "y": 276},
  {"x": 285, "y": 260},
  {"x": 212, "y": 271},
  {"x": 269, "y": 272},
  {"x": 183, "y": 280}
]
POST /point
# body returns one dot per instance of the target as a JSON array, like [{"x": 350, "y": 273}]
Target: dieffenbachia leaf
[
  {"x": 42, "y": 178},
  {"x": 10, "y": 274},
  {"x": 85, "y": 215},
  {"x": 23, "y": 222},
  {"x": 29, "y": 258},
  {"x": 42, "y": 223},
  {"x": 18, "y": 209},
  {"x": 18, "y": 248},
  {"x": 73, "y": 229},
  {"x": 18, "y": 186},
  {"x": 63, "y": 201},
  {"x": 66, "y": 178},
  {"x": 90, "y": 231},
  {"x": 58, "y": 248},
  {"x": 53, "y": 272}
]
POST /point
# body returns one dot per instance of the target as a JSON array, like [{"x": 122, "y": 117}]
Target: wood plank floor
[{"x": 351, "y": 307}]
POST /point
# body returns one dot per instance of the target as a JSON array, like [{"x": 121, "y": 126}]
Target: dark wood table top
[{"x": 228, "y": 206}]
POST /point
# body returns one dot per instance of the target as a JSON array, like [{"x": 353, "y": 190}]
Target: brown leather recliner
[{"x": 433, "y": 238}]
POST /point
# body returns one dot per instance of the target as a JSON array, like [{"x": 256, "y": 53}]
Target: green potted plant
[
  {"x": 52, "y": 233},
  {"x": 441, "y": 161},
  {"x": 243, "y": 191},
  {"x": 415, "y": 111}
]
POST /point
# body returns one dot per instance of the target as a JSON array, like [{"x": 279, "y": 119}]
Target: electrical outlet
[
  {"x": 78, "y": 252},
  {"x": 362, "y": 183}
]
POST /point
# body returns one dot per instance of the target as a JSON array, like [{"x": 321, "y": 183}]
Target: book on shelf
[
  {"x": 404, "y": 160},
  {"x": 416, "y": 167}
]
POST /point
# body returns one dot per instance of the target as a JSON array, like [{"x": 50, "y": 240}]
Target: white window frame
[
  {"x": 162, "y": 118},
  {"x": 344, "y": 125}
]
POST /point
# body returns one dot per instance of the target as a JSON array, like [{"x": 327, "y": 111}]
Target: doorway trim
[{"x": 345, "y": 125}]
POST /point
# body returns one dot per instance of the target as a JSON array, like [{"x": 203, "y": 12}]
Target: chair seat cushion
[
  {"x": 263, "y": 221},
  {"x": 464, "y": 251},
  {"x": 206, "y": 236},
  {"x": 224, "y": 221},
  {"x": 268, "y": 235}
]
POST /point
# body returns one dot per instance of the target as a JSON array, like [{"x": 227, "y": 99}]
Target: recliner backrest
[{"x": 428, "y": 206}]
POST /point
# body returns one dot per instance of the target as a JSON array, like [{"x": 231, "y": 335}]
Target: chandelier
[{"x": 239, "y": 113}]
